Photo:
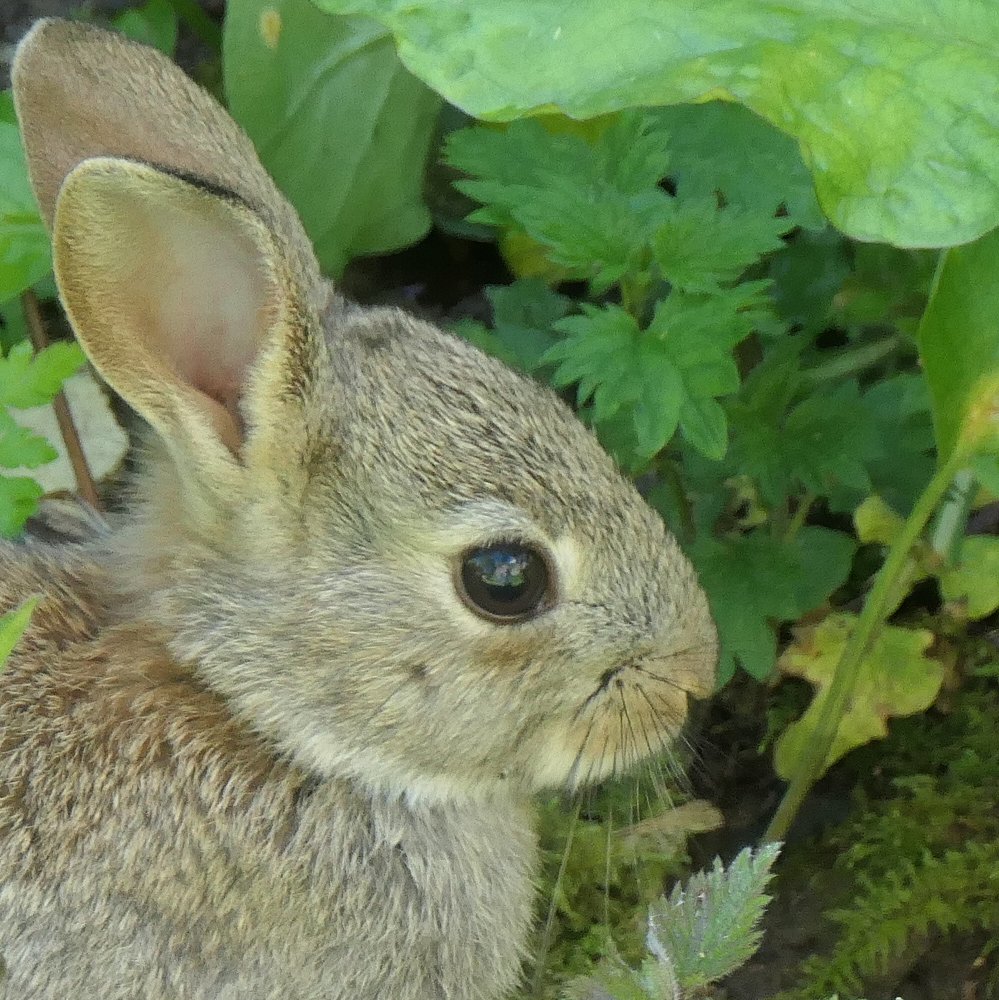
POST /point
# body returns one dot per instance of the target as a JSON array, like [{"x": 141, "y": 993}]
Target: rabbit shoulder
[{"x": 153, "y": 847}]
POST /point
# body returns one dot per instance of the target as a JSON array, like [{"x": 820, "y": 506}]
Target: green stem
[
  {"x": 948, "y": 530},
  {"x": 876, "y": 609},
  {"x": 853, "y": 361},
  {"x": 798, "y": 521}
]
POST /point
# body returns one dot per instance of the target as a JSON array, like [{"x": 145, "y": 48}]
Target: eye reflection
[{"x": 507, "y": 582}]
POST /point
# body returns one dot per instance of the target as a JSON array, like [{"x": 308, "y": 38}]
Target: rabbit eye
[{"x": 507, "y": 582}]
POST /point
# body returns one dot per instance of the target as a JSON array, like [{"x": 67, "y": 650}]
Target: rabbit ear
[
  {"x": 82, "y": 92},
  {"x": 176, "y": 291}
]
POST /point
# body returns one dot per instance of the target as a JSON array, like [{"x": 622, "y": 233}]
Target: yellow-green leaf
[
  {"x": 897, "y": 678},
  {"x": 974, "y": 582}
]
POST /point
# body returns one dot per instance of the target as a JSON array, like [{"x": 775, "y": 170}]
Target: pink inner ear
[{"x": 206, "y": 300}]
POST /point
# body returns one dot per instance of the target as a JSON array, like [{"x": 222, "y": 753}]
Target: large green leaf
[
  {"x": 343, "y": 128},
  {"x": 959, "y": 347},
  {"x": 895, "y": 105}
]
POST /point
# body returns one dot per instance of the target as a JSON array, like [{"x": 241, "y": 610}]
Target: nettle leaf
[
  {"x": 724, "y": 147},
  {"x": 807, "y": 273},
  {"x": 25, "y": 256},
  {"x": 523, "y": 317},
  {"x": 20, "y": 447},
  {"x": 19, "y": 498},
  {"x": 897, "y": 678},
  {"x": 13, "y": 626},
  {"x": 755, "y": 582},
  {"x": 974, "y": 582},
  {"x": 590, "y": 204},
  {"x": 697, "y": 334},
  {"x": 701, "y": 246},
  {"x": 837, "y": 442},
  {"x": 28, "y": 379},
  {"x": 892, "y": 105},
  {"x": 711, "y": 925},
  {"x": 669, "y": 375},
  {"x": 349, "y": 157},
  {"x": 617, "y": 365}
]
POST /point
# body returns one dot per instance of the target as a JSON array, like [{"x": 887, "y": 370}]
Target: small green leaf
[
  {"x": 13, "y": 626},
  {"x": 711, "y": 925},
  {"x": 342, "y": 127},
  {"x": 705, "y": 426},
  {"x": 19, "y": 498},
  {"x": 893, "y": 105},
  {"x": 897, "y": 678},
  {"x": 974, "y": 581},
  {"x": 721, "y": 147},
  {"x": 590, "y": 205},
  {"x": 701, "y": 247},
  {"x": 28, "y": 379},
  {"x": 755, "y": 582},
  {"x": 959, "y": 348},
  {"x": 20, "y": 447}
]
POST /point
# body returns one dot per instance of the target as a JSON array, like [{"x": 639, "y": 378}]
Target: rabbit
[{"x": 275, "y": 732}]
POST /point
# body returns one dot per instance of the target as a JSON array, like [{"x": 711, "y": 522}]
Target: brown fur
[{"x": 254, "y": 745}]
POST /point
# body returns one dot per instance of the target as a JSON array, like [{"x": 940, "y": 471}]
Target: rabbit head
[{"x": 397, "y": 559}]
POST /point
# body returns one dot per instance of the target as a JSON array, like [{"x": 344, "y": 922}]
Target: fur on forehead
[{"x": 439, "y": 418}]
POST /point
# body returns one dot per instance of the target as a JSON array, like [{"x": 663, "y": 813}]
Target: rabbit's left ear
[{"x": 174, "y": 289}]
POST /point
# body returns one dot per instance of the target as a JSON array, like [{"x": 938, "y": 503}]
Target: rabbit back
[{"x": 151, "y": 846}]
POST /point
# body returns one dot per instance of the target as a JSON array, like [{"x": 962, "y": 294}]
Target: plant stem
[
  {"x": 800, "y": 514},
  {"x": 67, "y": 428},
  {"x": 948, "y": 530},
  {"x": 853, "y": 361},
  {"x": 876, "y": 609}
]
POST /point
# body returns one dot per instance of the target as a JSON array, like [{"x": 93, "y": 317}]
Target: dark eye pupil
[{"x": 505, "y": 581}]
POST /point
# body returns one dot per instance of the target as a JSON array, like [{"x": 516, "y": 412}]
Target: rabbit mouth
[{"x": 636, "y": 712}]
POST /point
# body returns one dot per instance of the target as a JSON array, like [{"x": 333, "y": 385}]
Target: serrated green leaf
[
  {"x": 701, "y": 247},
  {"x": 807, "y": 273},
  {"x": 19, "y": 498},
  {"x": 705, "y": 426},
  {"x": 959, "y": 348},
  {"x": 13, "y": 626},
  {"x": 28, "y": 379},
  {"x": 590, "y": 205},
  {"x": 755, "y": 582},
  {"x": 897, "y": 678},
  {"x": 348, "y": 154},
  {"x": 755, "y": 166},
  {"x": 21, "y": 447},
  {"x": 710, "y": 926},
  {"x": 893, "y": 106}
]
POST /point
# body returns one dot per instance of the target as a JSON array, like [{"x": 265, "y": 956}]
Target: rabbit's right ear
[{"x": 186, "y": 275}]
